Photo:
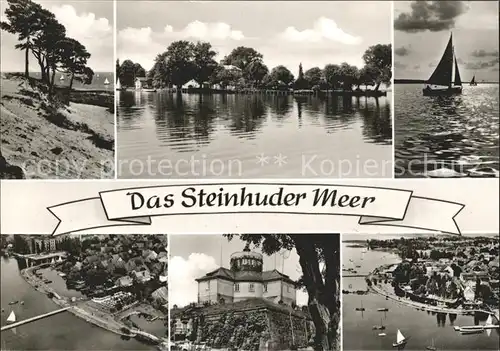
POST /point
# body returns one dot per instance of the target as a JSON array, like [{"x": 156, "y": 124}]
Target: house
[
  {"x": 191, "y": 84},
  {"x": 246, "y": 280},
  {"x": 142, "y": 276},
  {"x": 141, "y": 82},
  {"x": 124, "y": 281}
]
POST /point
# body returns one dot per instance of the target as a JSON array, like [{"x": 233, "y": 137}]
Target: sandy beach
[{"x": 54, "y": 142}]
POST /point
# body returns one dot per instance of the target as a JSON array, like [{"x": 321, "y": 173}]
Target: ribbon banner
[{"x": 373, "y": 205}]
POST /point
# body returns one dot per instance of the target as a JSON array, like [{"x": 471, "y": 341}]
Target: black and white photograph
[
  {"x": 255, "y": 292},
  {"x": 254, "y": 89},
  {"x": 57, "y": 99},
  {"x": 446, "y": 89},
  {"x": 420, "y": 292},
  {"x": 84, "y": 292}
]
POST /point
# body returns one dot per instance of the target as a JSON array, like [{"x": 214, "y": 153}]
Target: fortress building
[{"x": 245, "y": 280}]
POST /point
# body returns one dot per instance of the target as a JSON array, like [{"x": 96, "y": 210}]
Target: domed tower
[{"x": 246, "y": 261}]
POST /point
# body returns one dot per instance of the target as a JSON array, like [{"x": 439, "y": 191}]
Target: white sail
[
  {"x": 400, "y": 337},
  {"x": 118, "y": 85},
  {"x": 62, "y": 77},
  {"x": 106, "y": 81},
  {"x": 489, "y": 321},
  {"x": 12, "y": 317}
]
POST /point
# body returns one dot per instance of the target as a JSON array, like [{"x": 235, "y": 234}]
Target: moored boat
[
  {"x": 148, "y": 90},
  {"x": 106, "y": 81},
  {"x": 445, "y": 80}
]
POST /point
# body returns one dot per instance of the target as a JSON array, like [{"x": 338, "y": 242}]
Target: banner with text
[{"x": 373, "y": 205}]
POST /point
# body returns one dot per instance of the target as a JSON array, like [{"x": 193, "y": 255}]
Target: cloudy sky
[
  {"x": 287, "y": 33},
  {"x": 422, "y": 30},
  {"x": 90, "y": 22},
  {"x": 192, "y": 256}
]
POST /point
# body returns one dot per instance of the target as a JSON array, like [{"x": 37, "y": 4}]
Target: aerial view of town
[
  {"x": 420, "y": 292},
  {"x": 84, "y": 292},
  {"x": 250, "y": 292}
]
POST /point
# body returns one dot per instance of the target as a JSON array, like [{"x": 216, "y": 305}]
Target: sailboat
[
  {"x": 12, "y": 317},
  {"x": 473, "y": 81},
  {"x": 432, "y": 347},
  {"x": 446, "y": 74},
  {"x": 106, "y": 81},
  {"x": 62, "y": 78},
  {"x": 400, "y": 340},
  {"x": 119, "y": 85},
  {"x": 360, "y": 308}
]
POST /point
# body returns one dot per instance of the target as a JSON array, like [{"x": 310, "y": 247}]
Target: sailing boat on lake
[
  {"x": 446, "y": 74},
  {"x": 11, "y": 318},
  {"x": 473, "y": 81},
  {"x": 400, "y": 340}
]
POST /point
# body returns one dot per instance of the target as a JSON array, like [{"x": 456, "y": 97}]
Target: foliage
[
  {"x": 322, "y": 285},
  {"x": 129, "y": 71},
  {"x": 241, "y": 57}
]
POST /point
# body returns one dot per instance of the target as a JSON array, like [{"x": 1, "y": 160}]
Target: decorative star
[
  {"x": 280, "y": 160},
  {"x": 262, "y": 159}
]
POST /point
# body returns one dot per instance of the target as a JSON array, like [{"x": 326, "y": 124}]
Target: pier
[{"x": 33, "y": 319}]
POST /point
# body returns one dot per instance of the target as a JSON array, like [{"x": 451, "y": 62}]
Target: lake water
[
  {"x": 462, "y": 129},
  {"x": 422, "y": 327},
  {"x": 163, "y": 135},
  {"x": 63, "y": 331},
  {"x": 97, "y": 81}
]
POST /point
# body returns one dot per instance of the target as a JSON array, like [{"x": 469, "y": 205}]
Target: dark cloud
[
  {"x": 399, "y": 65},
  {"x": 402, "y": 51},
  {"x": 433, "y": 16},
  {"x": 484, "y": 53},
  {"x": 481, "y": 64}
]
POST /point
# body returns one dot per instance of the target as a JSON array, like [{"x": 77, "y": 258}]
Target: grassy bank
[{"x": 57, "y": 138}]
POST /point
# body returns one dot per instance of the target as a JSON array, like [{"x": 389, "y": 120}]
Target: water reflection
[
  {"x": 162, "y": 124},
  {"x": 457, "y": 132}
]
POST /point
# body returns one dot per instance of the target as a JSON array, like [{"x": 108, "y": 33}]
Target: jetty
[{"x": 33, "y": 319}]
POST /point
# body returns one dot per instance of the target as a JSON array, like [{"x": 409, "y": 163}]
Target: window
[
  {"x": 236, "y": 287},
  {"x": 265, "y": 287},
  {"x": 251, "y": 287}
]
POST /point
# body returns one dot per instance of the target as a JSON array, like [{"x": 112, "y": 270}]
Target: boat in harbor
[
  {"x": 119, "y": 85},
  {"x": 11, "y": 318},
  {"x": 106, "y": 81},
  {"x": 379, "y": 327},
  {"x": 148, "y": 90},
  {"x": 471, "y": 331},
  {"x": 384, "y": 309},
  {"x": 13, "y": 302},
  {"x": 61, "y": 78},
  {"x": 445, "y": 80},
  {"x": 401, "y": 340},
  {"x": 382, "y": 334},
  {"x": 360, "y": 308},
  {"x": 473, "y": 82}
]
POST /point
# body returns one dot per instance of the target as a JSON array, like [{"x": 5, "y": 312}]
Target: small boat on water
[
  {"x": 379, "y": 327},
  {"x": 12, "y": 317},
  {"x": 401, "y": 340},
  {"x": 431, "y": 347},
  {"x": 382, "y": 334},
  {"x": 471, "y": 331},
  {"x": 106, "y": 81},
  {"x": 13, "y": 302},
  {"x": 149, "y": 90},
  {"x": 384, "y": 309},
  {"x": 360, "y": 308},
  {"x": 22, "y": 302},
  {"x": 446, "y": 75},
  {"x": 61, "y": 78},
  {"x": 473, "y": 81},
  {"x": 119, "y": 85}
]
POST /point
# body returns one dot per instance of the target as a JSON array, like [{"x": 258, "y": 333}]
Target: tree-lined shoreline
[{"x": 244, "y": 69}]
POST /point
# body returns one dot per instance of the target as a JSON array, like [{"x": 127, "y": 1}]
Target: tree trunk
[
  {"x": 51, "y": 83},
  {"x": 71, "y": 81},
  {"x": 318, "y": 300},
  {"x": 26, "y": 59}
]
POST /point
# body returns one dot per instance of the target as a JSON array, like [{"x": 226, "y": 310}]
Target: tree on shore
[
  {"x": 379, "y": 59},
  {"x": 179, "y": 63},
  {"x": 255, "y": 72},
  {"x": 319, "y": 258},
  {"x": 241, "y": 57},
  {"x": 24, "y": 20},
  {"x": 313, "y": 76},
  {"x": 74, "y": 58},
  {"x": 129, "y": 71},
  {"x": 204, "y": 62}
]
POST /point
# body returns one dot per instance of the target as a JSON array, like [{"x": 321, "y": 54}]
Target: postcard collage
[{"x": 249, "y": 175}]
